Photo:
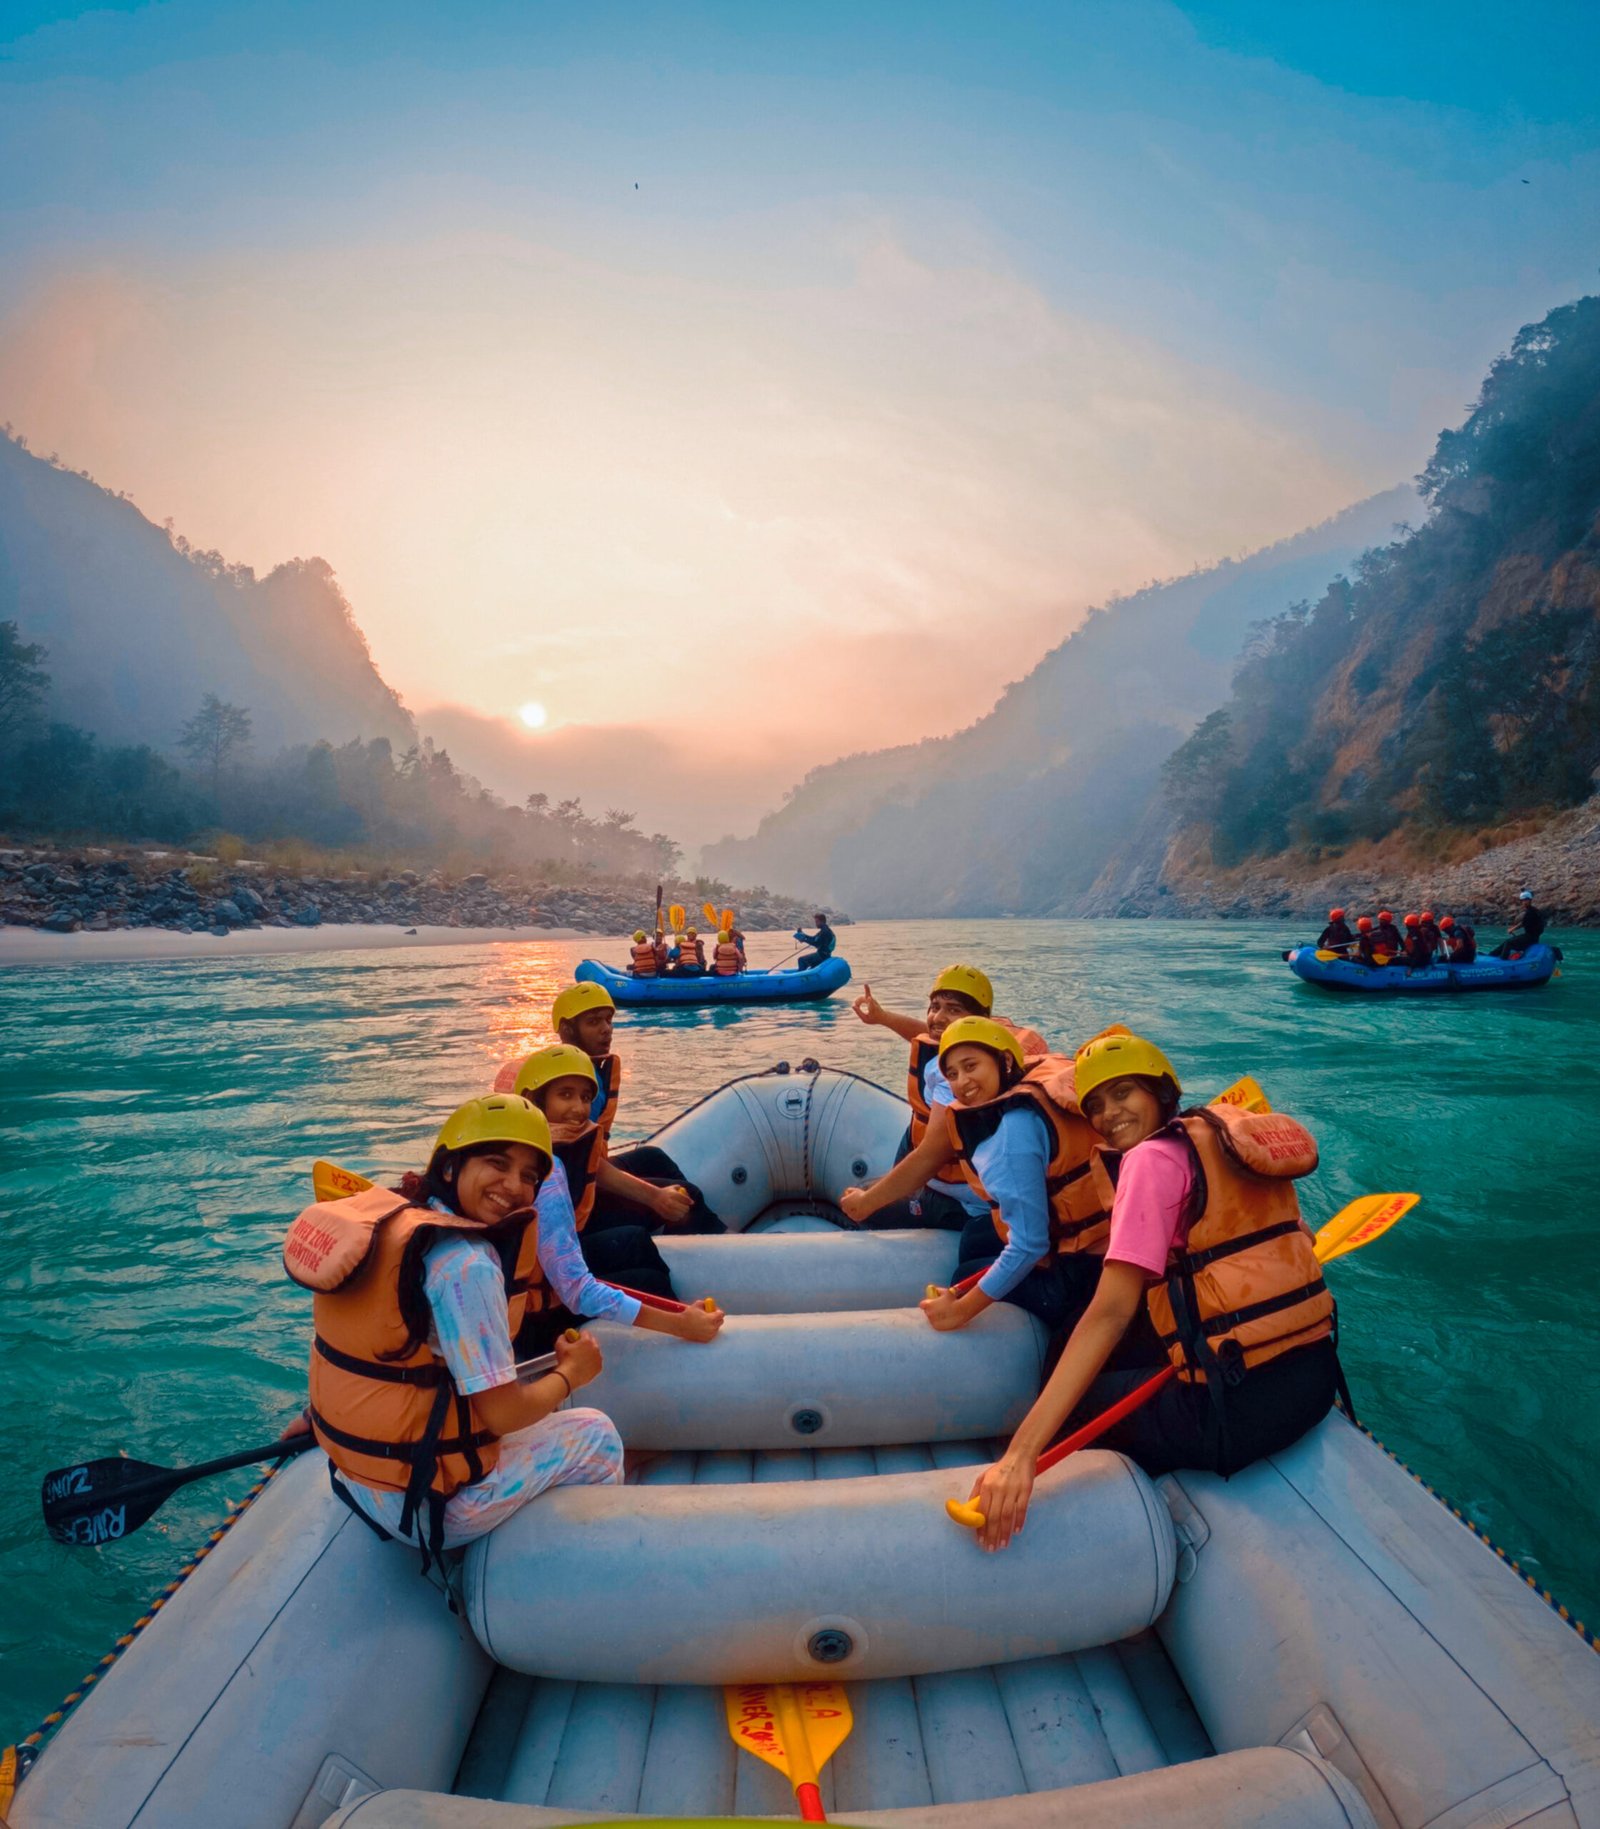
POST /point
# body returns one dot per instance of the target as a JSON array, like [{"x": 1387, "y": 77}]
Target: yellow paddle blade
[
  {"x": 755, "y": 1720},
  {"x": 710, "y": 914},
  {"x": 1361, "y": 1222},
  {"x": 1325, "y": 954},
  {"x": 1382, "y": 958},
  {"x": 675, "y": 916},
  {"x": 1246, "y": 1094},
  {"x": 730, "y": 918},
  {"x": 330, "y": 1182}
]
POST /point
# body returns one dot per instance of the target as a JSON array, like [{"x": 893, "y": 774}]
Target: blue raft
[
  {"x": 1484, "y": 974},
  {"x": 789, "y": 986}
]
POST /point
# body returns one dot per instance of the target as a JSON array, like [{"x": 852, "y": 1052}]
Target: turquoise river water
[{"x": 157, "y": 1123}]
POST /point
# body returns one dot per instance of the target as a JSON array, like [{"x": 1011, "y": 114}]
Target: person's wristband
[{"x": 566, "y": 1381}]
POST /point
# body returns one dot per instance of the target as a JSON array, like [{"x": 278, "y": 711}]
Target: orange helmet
[
  {"x": 1364, "y": 925},
  {"x": 1384, "y": 915},
  {"x": 1412, "y": 921},
  {"x": 1335, "y": 914},
  {"x": 1427, "y": 915},
  {"x": 1448, "y": 922}
]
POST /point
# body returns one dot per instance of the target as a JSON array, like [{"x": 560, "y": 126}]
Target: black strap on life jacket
[
  {"x": 923, "y": 1050},
  {"x": 377, "y": 1369}
]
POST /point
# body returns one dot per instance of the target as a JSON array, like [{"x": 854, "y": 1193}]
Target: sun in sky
[{"x": 533, "y": 715}]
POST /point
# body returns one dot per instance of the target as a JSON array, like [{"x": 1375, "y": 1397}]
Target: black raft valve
[
  {"x": 806, "y": 1422},
  {"x": 830, "y": 1646}
]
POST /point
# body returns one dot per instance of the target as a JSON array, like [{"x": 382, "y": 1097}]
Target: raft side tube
[
  {"x": 870, "y": 1378},
  {"x": 226, "y": 1707},
  {"x": 774, "y": 1137},
  {"x": 1400, "y": 1648},
  {"x": 846, "y": 1579},
  {"x": 824, "y": 1271},
  {"x": 1265, "y": 1788}
]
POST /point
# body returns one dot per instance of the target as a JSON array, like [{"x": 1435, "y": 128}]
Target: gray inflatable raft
[
  {"x": 1333, "y": 1647},
  {"x": 773, "y": 1152},
  {"x": 1316, "y": 1642}
]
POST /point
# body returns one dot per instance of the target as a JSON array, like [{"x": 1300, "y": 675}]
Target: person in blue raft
[{"x": 822, "y": 943}]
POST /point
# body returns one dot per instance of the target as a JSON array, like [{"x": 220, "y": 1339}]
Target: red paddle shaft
[
  {"x": 809, "y": 1798},
  {"x": 664, "y": 1303},
  {"x": 1092, "y": 1431}
]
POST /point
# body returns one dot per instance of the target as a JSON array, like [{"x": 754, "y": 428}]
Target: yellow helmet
[
  {"x": 1114, "y": 1055},
  {"x": 724, "y": 938},
  {"x": 502, "y": 1117},
  {"x": 576, "y": 999},
  {"x": 694, "y": 933},
  {"x": 560, "y": 1062},
  {"x": 638, "y": 938},
  {"x": 967, "y": 980},
  {"x": 984, "y": 1033}
]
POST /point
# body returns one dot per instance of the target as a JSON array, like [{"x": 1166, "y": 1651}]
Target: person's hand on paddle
[
  {"x": 578, "y": 1361},
  {"x": 672, "y": 1206},
  {"x": 867, "y": 1007},
  {"x": 1001, "y": 1493},
  {"x": 856, "y": 1205},
  {"x": 300, "y": 1426},
  {"x": 944, "y": 1311},
  {"x": 698, "y": 1323}
]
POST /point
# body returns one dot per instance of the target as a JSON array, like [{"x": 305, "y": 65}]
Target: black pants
[
  {"x": 1270, "y": 1408},
  {"x": 1058, "y": 1293},
  {"x": 932, "y": 1209},
  {"x": 657, "y": 1167},
  {"x": 808, "y": 962},
  {"x": 620, "y": 1254}
]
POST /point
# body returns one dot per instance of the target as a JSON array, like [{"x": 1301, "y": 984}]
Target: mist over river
[{"x": 158, "y": 1121}]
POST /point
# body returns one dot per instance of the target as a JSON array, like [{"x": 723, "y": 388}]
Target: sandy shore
[{"x": 121, "y": 946}]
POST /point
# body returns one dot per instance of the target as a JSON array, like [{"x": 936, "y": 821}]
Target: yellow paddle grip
[
  {"x": 963, "y": 1511},
  {"x": 572, "y": 1336},
  {"x": 709, "y": 1304},
  {"x": 934, "y": 1290}
]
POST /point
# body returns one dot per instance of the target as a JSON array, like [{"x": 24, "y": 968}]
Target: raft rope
[{"x": 16, "y": 1761}]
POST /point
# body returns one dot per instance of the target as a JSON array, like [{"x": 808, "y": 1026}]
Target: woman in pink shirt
[{"x": 1252, "y": 1382}]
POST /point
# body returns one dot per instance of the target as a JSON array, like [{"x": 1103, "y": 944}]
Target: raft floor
[{"x": 955, "y": 1737}]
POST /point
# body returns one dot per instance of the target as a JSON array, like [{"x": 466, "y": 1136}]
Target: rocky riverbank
[
  {"x": 99, "y": 890},
  {"x": 1560, "y": 863}
]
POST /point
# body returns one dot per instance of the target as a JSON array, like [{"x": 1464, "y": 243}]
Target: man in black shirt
[{"x": 1527, "y": 931}]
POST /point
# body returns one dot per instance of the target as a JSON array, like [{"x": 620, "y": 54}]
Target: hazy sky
[{"x": 778, "y": 381}]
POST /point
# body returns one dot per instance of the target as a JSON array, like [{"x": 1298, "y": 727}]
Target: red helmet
[
  {"x": 1364, "y": 925},
  {"x": 1412, "y": 921},
  {"x": 1427, "y": 914},
  {"x": 1384, "y": 915},
  {"x": 1335, "y": 914},
  {"x": 1448, "y": 922}
]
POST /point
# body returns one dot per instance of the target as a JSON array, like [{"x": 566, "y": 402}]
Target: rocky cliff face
[{"x": 1167, "y": 878}]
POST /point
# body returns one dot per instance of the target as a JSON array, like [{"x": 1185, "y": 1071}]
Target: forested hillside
[
  {"x": 1019, "y": 812},
  {"x": 139, "y": 626},
  {"x": 1452, "y": 682}
]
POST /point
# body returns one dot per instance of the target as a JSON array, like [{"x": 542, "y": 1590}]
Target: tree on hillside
[
  {"x": 215, "y": 735},
  {"x": 22, "y": 680}
]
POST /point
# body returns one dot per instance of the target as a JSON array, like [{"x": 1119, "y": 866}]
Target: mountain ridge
[{"x": 1030, "y": 784}]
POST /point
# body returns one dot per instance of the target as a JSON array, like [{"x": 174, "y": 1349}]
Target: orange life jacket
[
  {"x": 1246, "y": 1286},
  {"x": 644, "y": 959},
  {"x": 396, "y": 1424},
  {"x": 727, "y": 960},
  {"x": 925, "y": 1049},
  {"x": 581, "y": 1157},
  {"x": 1080, "y": 1213}
]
